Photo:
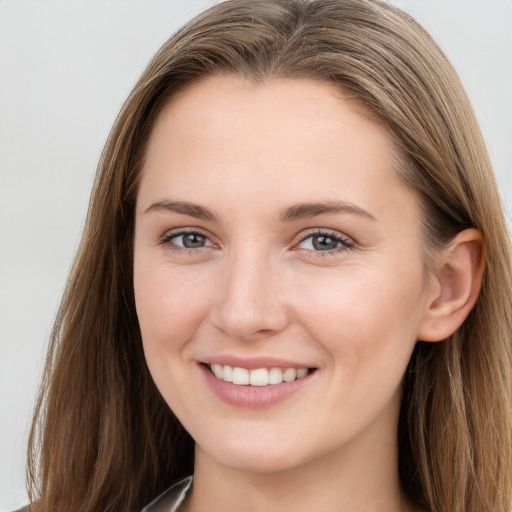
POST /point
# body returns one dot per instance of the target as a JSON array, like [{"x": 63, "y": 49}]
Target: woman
[{"x": 294, "y": 281}]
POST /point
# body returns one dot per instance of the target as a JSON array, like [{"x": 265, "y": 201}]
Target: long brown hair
[{"x": 103, "y": 439}]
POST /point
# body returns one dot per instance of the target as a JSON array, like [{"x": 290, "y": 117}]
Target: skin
[{"x": 258, "y": 287}]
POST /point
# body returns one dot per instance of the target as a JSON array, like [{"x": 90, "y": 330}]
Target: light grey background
[{"x": 66, "y": 67}]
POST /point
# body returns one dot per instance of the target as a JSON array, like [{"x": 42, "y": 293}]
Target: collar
[{"x": 171, "y": 499}]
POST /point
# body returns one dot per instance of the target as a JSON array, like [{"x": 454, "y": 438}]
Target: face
[{"x": 276, "y": 248}]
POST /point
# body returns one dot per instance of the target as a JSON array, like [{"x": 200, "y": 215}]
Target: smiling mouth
[{"x": 257, "y": 377}]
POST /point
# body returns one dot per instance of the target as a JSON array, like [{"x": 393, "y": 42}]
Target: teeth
[
  {"x": 227, "y": 373},
  {"x": 275, "y": 376},
  {"x": 240, "y": 376},
  {"x": 302, "y": 373},
  {"x": 289, "y": 374},
  {"x": 217, "y": 370},
  {"x": 257, "y": 377}
]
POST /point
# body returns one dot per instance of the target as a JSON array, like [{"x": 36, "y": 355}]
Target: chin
[
  {"x": 261, "y": 455},
  {"x": 252, "y": 456},
  {"x": 258, "y": 463}
]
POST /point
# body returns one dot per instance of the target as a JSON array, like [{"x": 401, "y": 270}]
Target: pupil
[
  {"x": 193, "y": 240},
  {"x": 324, "y": 243}
]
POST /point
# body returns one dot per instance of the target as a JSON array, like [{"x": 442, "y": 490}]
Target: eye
[
  {"x": 325, "y": 241},
  {"x": 186, "y": 240}
]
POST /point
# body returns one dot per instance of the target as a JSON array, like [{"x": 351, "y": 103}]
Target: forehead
[
  {"x": 224, "y": 138},
  {"x": 280, "y": 109}
]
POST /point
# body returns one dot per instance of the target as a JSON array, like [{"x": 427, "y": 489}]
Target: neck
[{"x": 361, "y": 476}]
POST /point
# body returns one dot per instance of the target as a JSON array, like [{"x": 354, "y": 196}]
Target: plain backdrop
[{"x": 66, "y": 67}]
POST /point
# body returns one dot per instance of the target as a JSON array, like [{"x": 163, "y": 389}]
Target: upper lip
[{"x": 252, "y": 363}]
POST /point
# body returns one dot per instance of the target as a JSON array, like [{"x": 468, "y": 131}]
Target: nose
[{"x": 249, "y": 303}]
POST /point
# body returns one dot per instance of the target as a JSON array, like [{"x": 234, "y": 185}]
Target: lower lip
[{"x": 253, "y": 397}]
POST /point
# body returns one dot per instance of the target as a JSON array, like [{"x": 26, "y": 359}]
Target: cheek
[
  {"x": 171, "y": 304},
  {"x": 366, "y": 320}
]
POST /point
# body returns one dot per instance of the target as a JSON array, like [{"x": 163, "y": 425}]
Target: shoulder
[
  {"x": 168, "y": 501},
  {"x": 171, "y": 499}
]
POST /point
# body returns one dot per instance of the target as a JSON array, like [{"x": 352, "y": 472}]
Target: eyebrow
[
  {"x": 309, "y": 210},
  {"x": 295, "y": 212},
  {"x": 182, "y": 207}
]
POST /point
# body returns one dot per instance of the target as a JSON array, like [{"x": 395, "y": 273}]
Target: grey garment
[
  {"x": 168, "y": 501},
  {"x": 172, "y": 499}
]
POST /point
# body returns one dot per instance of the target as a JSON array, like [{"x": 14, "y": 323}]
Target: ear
[{"x": 456, "y": 284}]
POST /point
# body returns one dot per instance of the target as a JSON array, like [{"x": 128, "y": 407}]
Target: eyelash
[
  {"x": 345, "y": 243},
  {"x": 167, "y": 241}
]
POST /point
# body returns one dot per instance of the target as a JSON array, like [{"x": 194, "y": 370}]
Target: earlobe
[{"x": 458, "y": 281}]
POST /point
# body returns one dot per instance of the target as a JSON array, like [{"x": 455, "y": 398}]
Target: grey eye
[
  {"x": 191, "y": 240},
  {"x": 324, "y": 243},
  {"x": 321, "y": 243}
]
